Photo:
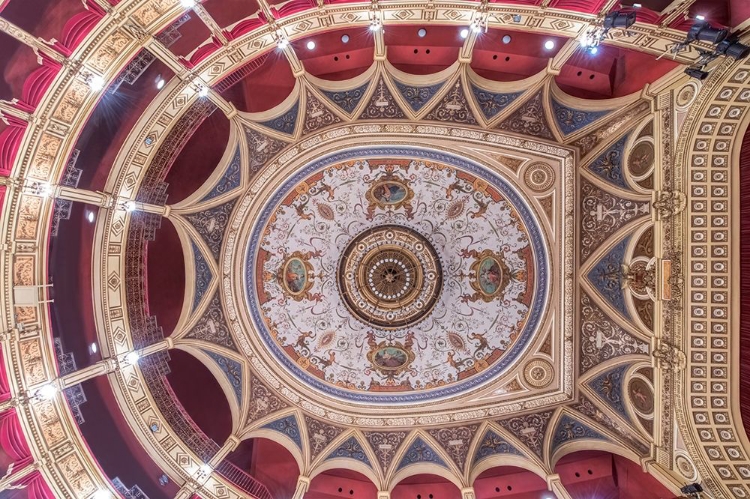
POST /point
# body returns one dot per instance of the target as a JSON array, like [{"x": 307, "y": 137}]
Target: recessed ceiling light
[
  {"x": 310, "y": 45},
  {"x": 344, "y": 38},
  {"x": 464, "y": 33},
  {"x": 90, "y": 217},
  {"x": 93, "y": 348},
  {"x": 422, "y": 33},
  {"x": 160, "y": 83},
  {"x": 549, "y": 44},
  {"x": 96, "y": 83},
  {"x": 507, "y": 39}
]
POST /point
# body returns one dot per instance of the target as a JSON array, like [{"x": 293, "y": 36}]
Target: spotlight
[
  {"x": 206, "y": 469},
  {"x": 374, "y": 25},
  {"x": 130, "y": 206},
  {"x": 700, "y": 17},
  {"x": 549, "y": 44},
  {"x": 594, "y": 50},
  {"x": 692, "y": 490},
  {"x": 46, "y": 392},
  {"x": 506, "y": 39},
  {"x": 344, "y": 38},
  {"x": 160, "y": 83},
  {"x": 704, "y": 32},
  {"x": 132, "y": 358},
  {"x": 96, "y": 83},
  {"x": 203, "y": 92},
  {"x": 422, "y": 33},
  {"x": 696, "y": 73},
  {"x": 619, "y": 20},
  {"x": 102, "y": 494},
  {"x": 464, "y": 33},
  {"x": 310, "y": 45},
  {"x": 476, "y": 28},
  {"x": 188, "y": 4},
  {"x": 637, "y": 6},
  {"x": 283, "y": 42},
  {"x": 733, "y": 48}
]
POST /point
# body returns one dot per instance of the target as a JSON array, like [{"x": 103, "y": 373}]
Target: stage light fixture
[
  {"x": 733, "y": 49},
  {"x": 706, "y": 33},
  {"x": 619, "y": 19},
  {"x": 696, "y": 73}
]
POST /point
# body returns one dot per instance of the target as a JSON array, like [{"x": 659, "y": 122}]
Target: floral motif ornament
[{"x": 465, "y": 255}]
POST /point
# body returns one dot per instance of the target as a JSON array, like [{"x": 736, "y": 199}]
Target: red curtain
[
  {"x": 4, "y": 385},
  {"x": 744, "y": 168},
  {"x": 35, "y": 486},
  {"x": 12, "y": 440}
]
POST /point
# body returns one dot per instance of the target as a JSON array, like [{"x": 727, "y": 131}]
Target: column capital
[
  {"x": 303, "y": 485},
  {"x": 556, "y": 487},
  {"x": 468, "y": 493},
  {"x": 384, "y": 494}
]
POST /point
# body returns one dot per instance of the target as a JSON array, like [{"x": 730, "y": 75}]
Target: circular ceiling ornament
[
  {"x": 390, "y": 276},
  {"x": 538, "y": 373},
  {"x": 396, "y": 275},
  {"x": 539, "y": 177}
]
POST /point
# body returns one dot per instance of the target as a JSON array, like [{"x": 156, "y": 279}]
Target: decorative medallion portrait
[
  {"x": 641, "y": 396},
  {"x": 396, "y": 277}
]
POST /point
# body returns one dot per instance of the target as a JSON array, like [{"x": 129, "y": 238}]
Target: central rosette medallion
[
  {"x": 390, "y": 276},
  {"x": 396, "y": 275}
]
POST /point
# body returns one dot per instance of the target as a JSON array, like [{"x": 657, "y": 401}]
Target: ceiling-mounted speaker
[
  {"x": 696, "y": 73},
  {"x": 705, "y": 33},
  {"x": 733, "y": 49},
  {"x": 619, "y": 20}
]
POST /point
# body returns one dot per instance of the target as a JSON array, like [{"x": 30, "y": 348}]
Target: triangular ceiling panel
[
  {"x": 211, "y": 224},
  {"x": 493, "y": 444},
  {"x": 607, "y": 277},
  {"x": 603, "y": 214},
  {"x": 232, "y": 372},
  {"x": 284, "y": 123},
  {"x": 320, "y": 434},
  {"x": 589, "y": 142},
  {"x": 287, "y": 426},
  {"x": 382, "y": 104},
  {"x": 263, "y": 401},
  {"x": 317, "y": 115},
  {"x": 351, "y": 449},
  {"x": 261, "y": 148},
  {"x": 453, "y": 107},
  {"x": 590, "y": 410},
  {"x": 420, "y": 452},
  {"x": 602, "y": 339},
  {"x": 569, "y": 429},
  {"x": 203, "y": 275},
  {"x": 608, "y": 386},
  {"x": 529, "y": 119},
  {"x": 570, "y": 120},
  {"x": 492, "y": 103},
  {"x": 455, "y": 441},
  {"x": 229, "y": 181},
  {"x": 385, "y": 445},
  {"x": 529, "y": 429},
  {"x": 347, "y": 100},
  {"x": 415, "y": 96},
  {"x": 608, "y": 166},
  {"x": 212, "y": 326}
]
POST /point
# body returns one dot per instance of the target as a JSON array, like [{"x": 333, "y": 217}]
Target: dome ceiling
[{"x": 397, "y": 268}]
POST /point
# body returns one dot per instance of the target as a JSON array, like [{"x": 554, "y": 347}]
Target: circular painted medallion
[
  {"x": 390, "y": 276},
  {"x": 396, "y": 275}
]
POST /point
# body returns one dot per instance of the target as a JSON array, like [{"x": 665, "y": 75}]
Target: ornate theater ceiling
[{"x": 393, "y": 273}]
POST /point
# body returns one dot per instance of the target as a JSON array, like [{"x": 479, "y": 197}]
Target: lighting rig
[
  {"x": 725, "y": 45},
  {"x": 614, "y": 20}
]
